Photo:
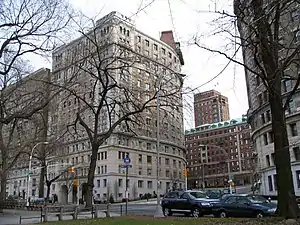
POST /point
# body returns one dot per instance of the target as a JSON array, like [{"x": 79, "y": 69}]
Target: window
[
  {"x": 298, "y": 178},
  {"x": 262, "y": 116},
  {"x": 147, "y": 86},
  {"x": 140, "y": 183},
  {"x": 98, "y": 183},
  {"x": 163, "y": 51},
  {"x": 147, "y": 43},
  {"x": 273, "y": 158},
  {"x": 265, "y": 137},
  {"x": 268, "y": 115},
  {"x": 104, "y": 182},
  {"x": 287, "y": 85},
  {"x": 170, "y": 55},
  {"x": 149, "y": 184},
  {"x": 139, "y": 83},
  {"x": 147, "y": 53},
  {"x": 138, "y": 38},
  {"x": 271, "y": 136},
  {"x": 167, "y": 161},
  {"x": 230, "y": 200},
  {"x": 140, "y": 158},
  {"x": 149, "y": 159},
  {"x": 260, "y": 100},
  {"x": 120, "y": 182},
  {"x": 148, "y": 146},
  {"x": 268, "y": 160},
  {"x": 155, "y": 47},
  {"x": 293, "y": 127},
  {"x": 270, "y": 183},
  {"x": 296, "y": 151},
  {"x": 257, "y": 81},
  {"x": 242, "y": 200}
]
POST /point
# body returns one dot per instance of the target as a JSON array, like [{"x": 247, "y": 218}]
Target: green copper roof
[{"x": 218, "y": 125}]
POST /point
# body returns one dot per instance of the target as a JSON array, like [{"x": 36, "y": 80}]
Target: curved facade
[{"x": 259, "y": 115}]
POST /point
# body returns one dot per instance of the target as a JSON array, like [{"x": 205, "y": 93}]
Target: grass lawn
[{"x": 143, "y": 220}]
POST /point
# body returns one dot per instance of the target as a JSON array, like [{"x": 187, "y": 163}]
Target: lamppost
[
  {"x": 228, "y": 164},
  {"x": 29, "y": 168},
  {"x": 158, "y": 212}
]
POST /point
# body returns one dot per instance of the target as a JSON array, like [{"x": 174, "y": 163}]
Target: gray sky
[{"x": 187, "y": 19}]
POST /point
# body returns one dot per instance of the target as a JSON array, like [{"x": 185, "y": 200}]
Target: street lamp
[
  {"x": 158, "y": 212},
  {"x": 29, "y": 168},
  {"x": 228, "y": 164}
]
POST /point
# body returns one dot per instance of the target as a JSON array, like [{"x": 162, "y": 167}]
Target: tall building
[
  {"x": 30, "y": 93},
  {"x": 259, "y": 114},
  {"x": 117, "y": 37},
  {"x": 213, "y": 148},
  {"x": 210, "y": 107}
]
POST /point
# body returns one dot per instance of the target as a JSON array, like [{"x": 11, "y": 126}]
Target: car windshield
[
  {"x": 257, "y": 199},
  {"x": 197, "y": 194}
]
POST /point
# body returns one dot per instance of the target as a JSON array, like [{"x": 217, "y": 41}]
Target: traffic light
[
  {"x": 75, "y": 183},
  {"x": 185, "y": 172},
  {"x": 72, "y": 170}
]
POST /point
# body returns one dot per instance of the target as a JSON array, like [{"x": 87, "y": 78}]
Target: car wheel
[
  {"x": 259, "y": 215},
  {"x": 223, "y": 214},
  {"x": 196, "y": 212},
  {"x": 169, "y": 212}
]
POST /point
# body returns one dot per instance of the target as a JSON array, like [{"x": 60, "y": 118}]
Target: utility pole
[{"x": 158, "y": 212}]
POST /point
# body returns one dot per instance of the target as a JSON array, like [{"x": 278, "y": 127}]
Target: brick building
[
  {"x": 210, "y": 107},
  {"x": 211, "y": 147}
]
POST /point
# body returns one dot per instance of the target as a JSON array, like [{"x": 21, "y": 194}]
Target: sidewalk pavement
[{"x": 12, "y": 217}]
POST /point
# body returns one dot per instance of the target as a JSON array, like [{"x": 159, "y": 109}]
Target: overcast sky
[{"x": 187, "y": 19}]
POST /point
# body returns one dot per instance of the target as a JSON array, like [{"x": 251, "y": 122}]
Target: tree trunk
[
  {"x": 287, "y": 205},
  {"x": 3, "y": 180},
  {"x": 42, "y": 181},
  {"x": 48, "y": 190},
  {"x": 90, "y": 182}
]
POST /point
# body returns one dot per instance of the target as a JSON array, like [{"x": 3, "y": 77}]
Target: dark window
[
  {"x": 298, "y": 178},
  {"x": 257, "y": 80},
  {"x": 185, "y": 196},
  {"x": 265, "y": 139},
  {"x": 230, "y": 200},
  {"x": 268, "y": 115},
  {"x": 260, "y": 100},
  {"x": 296, "y": 151},
  {"x": 271, "y": 134},
  {"x": 268, "y": 160},
  {"x": 262, "y": 116},
  {"x": 270, "y": 183},
  {"x": 293, "y": 127},
  {"x": 242, "y": 200}
]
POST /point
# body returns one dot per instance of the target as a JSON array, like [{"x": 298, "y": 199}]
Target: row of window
[
  {"x": 268, "y": 137},
  {"x": 272, "y": 181}
]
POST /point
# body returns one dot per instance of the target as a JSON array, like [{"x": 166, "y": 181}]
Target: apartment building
[
  {"x": 210, "y": 107},
  {"x": 259, "y": 114},
  {"x": 150, "y": 58},
  {"x": 28, "y": 95},
  {"x": 219, "y": 151}
]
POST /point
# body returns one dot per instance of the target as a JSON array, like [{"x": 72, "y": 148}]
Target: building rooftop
[{"x": 218, "y": 125}]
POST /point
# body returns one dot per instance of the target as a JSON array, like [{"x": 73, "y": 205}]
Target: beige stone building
[
  {"x": 150, "y": 59},
  {"x": 259, "y": 114},
  {"x": 27, "y": 95}
]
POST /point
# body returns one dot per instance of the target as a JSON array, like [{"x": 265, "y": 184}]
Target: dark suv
[{"x": 191, "y": 202}]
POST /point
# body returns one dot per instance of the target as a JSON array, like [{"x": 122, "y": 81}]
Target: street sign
[
  {"x": 127, "y": 160},
  {"x": 125, "y": 166}
]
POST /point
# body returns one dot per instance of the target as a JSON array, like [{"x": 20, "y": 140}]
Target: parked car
[
  {"x": 191, "y": 202},
  {"x": 244, "y": 205}
]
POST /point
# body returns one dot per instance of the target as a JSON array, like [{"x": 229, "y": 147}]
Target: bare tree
[
  {"x": 26, "y": 27},
  {"x": 109, "y": 100},
  {"x": 268, "y": 52}
]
